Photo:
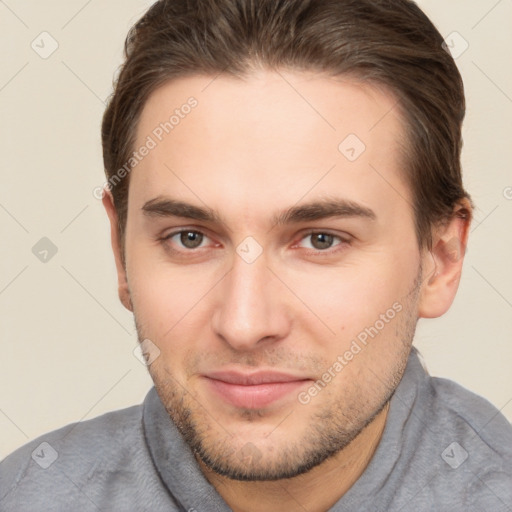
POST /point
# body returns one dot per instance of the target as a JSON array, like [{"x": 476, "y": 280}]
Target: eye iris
[
  {"x": 191, "y": 239},
  {"x": 322, "y": 240}
]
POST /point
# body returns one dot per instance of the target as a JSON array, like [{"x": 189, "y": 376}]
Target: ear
[
  {"x": 123, "y": 290},
  {"x": 443, "y": 263}
]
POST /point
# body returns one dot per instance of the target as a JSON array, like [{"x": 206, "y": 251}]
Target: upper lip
[{"x": 253, "y": 378}]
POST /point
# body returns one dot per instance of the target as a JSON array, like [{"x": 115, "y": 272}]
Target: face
[{"x": 272, "y": 263}]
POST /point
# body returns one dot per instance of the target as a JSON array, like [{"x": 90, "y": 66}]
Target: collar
[{"x": 181, "y": 474}]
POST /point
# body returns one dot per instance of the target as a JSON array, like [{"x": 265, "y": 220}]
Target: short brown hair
[{"x": 389, "y": 43}]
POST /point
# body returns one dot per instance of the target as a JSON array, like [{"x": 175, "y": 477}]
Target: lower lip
[{"x": 254, "y": 397}]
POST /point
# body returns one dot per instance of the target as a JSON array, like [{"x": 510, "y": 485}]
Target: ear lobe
[
  {"x": 122, "y": 280},
  {"x": 444, "y": 264}
]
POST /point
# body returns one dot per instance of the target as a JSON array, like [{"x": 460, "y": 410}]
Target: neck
[{"x": 316, "y": 491}]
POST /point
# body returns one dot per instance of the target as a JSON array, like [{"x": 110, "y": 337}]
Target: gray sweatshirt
[{"x": 443, "y": 449}]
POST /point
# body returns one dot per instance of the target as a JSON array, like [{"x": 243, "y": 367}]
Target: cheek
[
  {"x": 345, "y": 300},
  {"x": 164, "y": 296}
]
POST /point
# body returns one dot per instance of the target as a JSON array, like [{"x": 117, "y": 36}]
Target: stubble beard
[{"x": 328, "y": 431}]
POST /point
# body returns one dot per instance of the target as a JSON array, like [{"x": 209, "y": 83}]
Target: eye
[
  {"x": 320, "y": 241},
  {"x": 188, "y": 238}
]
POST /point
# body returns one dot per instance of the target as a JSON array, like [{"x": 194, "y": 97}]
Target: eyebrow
[
  {"x": 167, "y": 207},
  {"x": 313, "y": 211},
  {"x": 323, "y": 209}
]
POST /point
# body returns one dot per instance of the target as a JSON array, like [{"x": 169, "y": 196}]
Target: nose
[{"x": 251, "y": 306}]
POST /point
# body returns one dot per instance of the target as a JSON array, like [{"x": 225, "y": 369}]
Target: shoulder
[
  {"x": 60, "y": 462},
  {"x": 472, "y": 416},
  {"x": 474, "y": 441}
]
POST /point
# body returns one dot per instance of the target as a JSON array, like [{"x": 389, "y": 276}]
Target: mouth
[{"x": 253, "y": 390}]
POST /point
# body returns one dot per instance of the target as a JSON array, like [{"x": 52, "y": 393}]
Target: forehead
[{"x": 247, "y": 146}]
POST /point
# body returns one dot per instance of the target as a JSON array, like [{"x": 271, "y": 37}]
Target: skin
[{"x": 251, "y": 150}]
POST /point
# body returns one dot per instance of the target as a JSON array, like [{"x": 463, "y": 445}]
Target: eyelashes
[{"x": 190, "y": 241}]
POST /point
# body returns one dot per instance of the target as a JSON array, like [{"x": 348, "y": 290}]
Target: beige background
[{"x": 66, "y": 342}]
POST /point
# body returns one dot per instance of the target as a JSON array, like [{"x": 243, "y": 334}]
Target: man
[{"x": 285, "y": 198}]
